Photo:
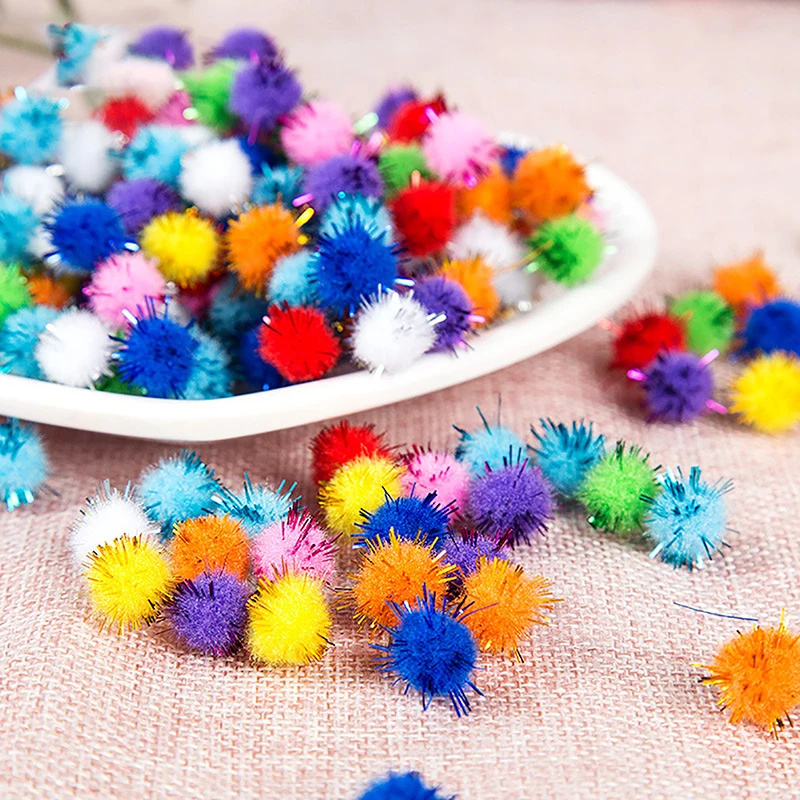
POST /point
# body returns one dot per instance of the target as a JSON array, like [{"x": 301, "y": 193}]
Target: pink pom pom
[
  {"x": 172, "y": 112},
  {"x": 434, "y": 471},
  {"x": 124, "y": 282},
  {"x": 459, "y": 148},
  {"x": 295, "y": 544},
  {"x": 316, "y": 131}
]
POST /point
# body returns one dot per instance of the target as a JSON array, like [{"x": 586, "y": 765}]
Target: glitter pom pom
[
  {"x": 138, "y": 202},
  {"x": 459, "y": 147},
  {"x": 688, "y": 519},
  {"x": 216, "y": 177},
  {"x": 398, "y": 163},
  {"x": 446, "y": 301},
  {"x": 209, "y": 613},
  {"x": 155, "y": 152},
  {"x": 751, "y": 282},
  {"x": 476, "y": 278},
  {"x": 424, "y": 215},
  {"x": 489, "y": 197},
  {"x": 617, "y": 490},
  {"x": 708, "y": 320},
  {"x": 771, "y": 327},
  {"x": 356, "y": 208},
  {"x": 491, "y": 446},
  {"x": 336, "y": 445},
  {"x": 316, "y": 131},
  {"x": 211, "y": 376},
  {"x": 47, "y": 290},
  {"x": 419, "y": 519},
  {"x": 209, "y": 90},
  {"x": 245, "y": 44},
  {"x": 17, "y": 227},
  {"x": 36, "y": 186},
  {"x": 348, "y": 173},
  {"x": 464, "y": 551},
  {"x": 293, "y": 279},
  {"x": 568, "y": 249},
  {"x": 205, "y": 544},
  {"x": 766, "y": 394},
  {"x": 129, "y": 581},
  {"x": 19, "y": 335},
  {"x": 408, "y": 786},
  {"x": 412, "y": 119},
  {"x": 289, "y": 621},
  {"x": 277, "y": 185},
  {"x": 23, "y": 464},
  {"x": 639, "y": 339},
  {"x": 30, "y": 129},
  {"x": 257, "y": 374},
  {"x": 233, "y": 311},
  {"x": 256, "y": 506},
  {"x": 14, "y": 291},
  {"x": 167, "y": 43},
  {"x": 758, "y": 675},
  {"x": 262, "y": 92},
  {"x": 431, "y": 650},
  {"x": 428, "y": 471},
  {"x": 391, "y": 101},
  {"x": 89, "y": 156}
]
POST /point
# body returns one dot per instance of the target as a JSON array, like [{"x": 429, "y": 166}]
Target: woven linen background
[{"x": 697, "y": 105}]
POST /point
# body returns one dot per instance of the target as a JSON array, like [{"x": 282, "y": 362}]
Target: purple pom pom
[
  {"x": 137, "y": 202},
  {"x": 445, "y": 298},
  {"x": 347, "y": 173},
  {"x": 246, "y": 44},
  {"x": 678, "y": 387},
  {"x": 262, "y": 93},
  {"x": 167, "y": 43},
  {"x": 209, "y": 613},
  {"x": 463, "y": 551},
  {"x": 391, "y": 101},
  {"x": 513, "y": 503}
]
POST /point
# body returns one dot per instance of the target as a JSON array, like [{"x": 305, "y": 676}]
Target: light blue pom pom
[
  {"x": 155, "y": 152},
  {"x": 211, "y": 375},
  {"x": 492, "y": 445},
  {"x": 357, "y": 208},
  {"x": 17, "y": 225},
  {"x": 74, "y": 44},
  {"x": 19, "y": 336},
  {"x": 687, "y": 520},
  {"x": 234, "y": 311},
  {"x": 292, "y": 280},
  {"x": 30, "y": 129},
  {"x": 565, "y": 454},
  {"x": 256, "y": 506},
  {"x": 23, "y": 464},
  {"x": 277, "y": 183}
]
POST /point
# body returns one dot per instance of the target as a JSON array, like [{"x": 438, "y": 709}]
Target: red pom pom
[
  {"x": 125, "y": 114},
  {"x": 425, "y": 216},
  {"x": 640, "y": 339},
  {"x": 411, "y": 120},
  {"x": 298, "y": 342},
  {"x": 339, "y": 444}
]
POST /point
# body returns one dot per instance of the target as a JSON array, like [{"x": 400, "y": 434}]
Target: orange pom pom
[
  {"x": 491, "y": 196},
  {"x": 506, "y": 605},
  {"x": 397, "y": 571},
  {"x": 476, "y": 278},
  {"x": 257, "y": 240},
  {"x": 758, "y": 674},
  {"x": 748, "y": 282},
  {"x": 549, "y": 183},
  {"x": 47, "y": 291},
  {"x": 209, "y": 543}
]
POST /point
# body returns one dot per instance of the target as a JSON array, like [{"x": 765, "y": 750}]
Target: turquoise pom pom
[
  {"x": 30, "y": 129},
  {"x": 292, "y": 280},
  {"x": 494, "y": 446},
  {"x": 17, "y": 226},
  {"x": 155, "y": 152},
  {"x": 277, "y": 184},
  {"x": 348, "y": 208},
  {"x": 19, "y": 336},
  {"x": 211, "y": 376},
  {"x": 256, "y": 506},
  {"x": 23, "y": 464}
]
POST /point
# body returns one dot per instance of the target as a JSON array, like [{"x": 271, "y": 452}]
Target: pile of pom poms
[
  {"x": 669, "y": 352},
  {"x": 194, "y": 227}
]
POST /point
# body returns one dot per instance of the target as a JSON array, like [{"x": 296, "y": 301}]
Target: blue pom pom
[
  {"x": 234, "y": 311},
  {"x": 346, "y": 208},
  {"x": 410, "y": 518},
  {"x": 211, "y": 375},
  {"x": 260, "y": 157},
  {"x": 155, "y": 152},
  {"x": 19, "y": 336},
  {"x": 73, "y": 44},
  {"x": 687, "y": 519},
  {"x": 292, "y": 279},
  {"x": 256, "y": 506},
  {"x": 492, "y": 446},
  {"x": 83, "y": 233},
  {"x": 408, "y": 786},
  {"x": 30, "y": 129},
  {"x": 23, "y": 464},
  {"x": 565, "y": 454},
  {"x": 432, "y": 651},
  {"x": 510, "y": 157},
  {"x": 257, "y": 373},
  {"x": 17, "y": 225},
  {"x": 176, "y": 489},
  {"x": 352, "y": 263},
  {"x": 277, "y": 183},
  {"x": 773, "y": 326}
]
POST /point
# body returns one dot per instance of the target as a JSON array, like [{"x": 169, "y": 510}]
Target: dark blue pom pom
[
  {"x": 408, "y": 786},
  {"x": 347, "y": 173},
  {"x": 261, "y": 93},
  {"x": 166, "y": 43},
  {"x": 411, "y": 518},
  {"x": 678, "y": 387},
  {"x": 258, "y": 155},
  {"x": 773, "y": 326},
  {"x": 257, "y": 373},
  {"x": 449, "y": 303},
  {"x": 137, "y": 202},
  {"x": 510, "y": 157}
]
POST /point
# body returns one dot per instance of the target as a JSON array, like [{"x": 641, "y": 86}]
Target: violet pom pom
[
  {"x": 464, "y": 550},
  {"x": 389, "y": 104},
  {"x": 138, "y": 201},
  {"x": 262, "y": 93},
  {"x": 245, "y": 44},
  {"x": 773, "y": 326},
  {"x": 167, "y": 43},
  {"x": 209, "y": 612},
  {"x": 348, "y": 173},
  {"x": 450, "y": 305}
]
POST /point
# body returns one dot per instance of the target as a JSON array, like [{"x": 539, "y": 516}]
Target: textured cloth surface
[{"x": 697, "y": 105}]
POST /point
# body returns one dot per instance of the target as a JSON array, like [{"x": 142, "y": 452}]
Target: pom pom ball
[
  {"x": 639, "y": 339},
  {"x": 211, "y": 376},
  {"x": 47, "y": 290},
  {"x": 262, "y": 92},
  {"x": 459, "y": 147},
  {"x": 289, "y": 621},
  {"x": 356, "y": 208},
  {"x": 446, "y": 301},
  {"x": 708, "y": 320},
  {"x": 166, "y": 43},
  {"x": 256, "y": 372},
  {"x": 206, "y": 544},
  {"x": 766, "y": 394},
  {"x": 464, "y": 551},
  {"x": 490, "y": 197},
  {"x": 30, "y": 129},
  {"x": 293, "y": 279},
  {"x": 37, "y": 186},
  {"x": 428, "y": 471},
  {"x": 256, "y": 506},
  {"x": 412, "y": 119},
  {"x": 771, "y": 327},
  {"x": 73, "y": 45},
  {"x": 14, "y": 292},
  {"x": 475, "y": 277},
  {"x": 245, "y": 44},
  {"x": 336, "y": 445},
  {"x": 137, "y": 202},
  {"x": 233, "y": 311},
  {"x": 89, "y": 156},
  {"x": 568, "y": 249},
  {"x": 397, "y": 163},
  {"x": 277, "y": 184},
  {"x": 425, "y": 216},
  {"x": 491, "y": 446},
  {"x": 209, "y": 90},
  {"x": 216, "y": 177},
  {"x": 747, "y": 283},
  {"x": 349, "y": 173},
  {"x": 419, "y": 519},
  {"x": 18, "y": 224},
  {"x": 391, "y": 101},
  {"x": 155, "y": 152},
  {"x": 23, "y": 464},
  {"x": 408, "y": 786},
  {"x": 152, "y": 81},
  {"x": 19, "y": 335},
  {"x": 316, "y": 131}
]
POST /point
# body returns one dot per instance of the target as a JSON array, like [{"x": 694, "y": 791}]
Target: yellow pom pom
[
  {"x": 766, "y": 394},
  {"x": 129, "y": 580},
  {"x": 257, "y": 240},
  {"x": 359, "y": 484},
  {"x": 185, "y": 245},
  {"x": 289, "y": 620}
]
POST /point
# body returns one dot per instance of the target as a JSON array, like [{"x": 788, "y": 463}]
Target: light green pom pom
[
  {"x": 14, "y": 292},
  {"x": 569, "y": 249},
  {"x": 398, "y": 162},
  {"x": 210, "y": 90},
  {"x": 710, "y": 323},
  {"x": 617, "y": 489}
]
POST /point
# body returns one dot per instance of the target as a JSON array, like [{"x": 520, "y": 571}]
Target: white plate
[{"x": 562, "y": 314}]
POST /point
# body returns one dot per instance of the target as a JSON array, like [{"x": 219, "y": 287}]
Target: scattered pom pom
[
  {"x": 432, "y": 651},
  {"x": 347, "y": 173},
  {"x": 37, "y": 186},
  {"x": 429, "y": 471},
  {"x": 88, "y": 155},
  {"x": 293, "y": 279},
  {"x": 359, "y": 484},
  {"x": 210, "y": 90},
  {"x": 506, "y": 605},
  {"x": 262, "y": 92},
  {"x": 565, "y": 454},
  {"x": 316, "y": 131},
  {"x": 408, "y": 786},
  {"x": 216, "y": 177},
  {"x": 277, "y": 185},
  {"x": 492, "y": 446},
  {"x": 256, "y": 506},
  {"x": 412, "y": 119},
  {"x": 75, "y": 349},
  {"x": 289, "y": 621},
  {"x": 425, "y": 216},
  {"x": 24, "y": 466},
  {"x": 568, "y": 249},
  {"x": 397, "y": 163},
  {"x": 206, "y": 544},
  {"x": 766, "y": 394},
  {"x": 209, "y": 613},
  {"x": 17, "y": 227},
  {"x": 166, "y": 43},
  {"x": 298, "y": 342},
  {"x": 751, "y": 282},
  {"x": 490, "y": 197},
  {"x": 138, "y": 202},
  {"x": 337, "y": 445},
  {"x": 475, "y": 277},
  {"x": 459, "y": 147},
  {"x": 687, "y": 520},
  {"x": 418, "y": 519},
  {"x": 391, "y": 101},
  {"x": 447, "y": 302},
  {"x": 14, "y": 292},
  {"x": 708, "y": 320},
  {"x": 19, "y": 335},
  {"x": 245, "y": 44},
  {"x": 464, "y": 551},
  {"x": 771, "y": 327},
  {"x": 391, "y": 332},
  {"x": 618, "y": 489},
  {"x": 640, "y": 338},
  {"x": 30, "y": 129}
]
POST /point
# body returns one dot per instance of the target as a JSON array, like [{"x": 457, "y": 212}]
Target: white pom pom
[
  {"x": 216, "y": 176},
  {"x": 391, "y": 332},
  {"x": 195, "y": 135},
  {"x": 41, "y": 245},
  {"x": 37, "y": 186},
  {"x": 152, "y": 81},
  {"x": 107, "y": 516},
  {"x": 87, "y": 155},
  {"x": 75, "y": 349},
  {"x": 501, "y": 249}
]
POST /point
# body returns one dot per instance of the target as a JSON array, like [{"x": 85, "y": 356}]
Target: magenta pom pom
[
  {"x": 316, "y": 131},
  {"x": 173, "y": 112},
  {"x": 459, "y": 147},
  {"x": 262, "y": 93},
  {"x": 349, "y": 173},
  {"x": 434, "y": 471},
  {"x": 138, "y": 201}
]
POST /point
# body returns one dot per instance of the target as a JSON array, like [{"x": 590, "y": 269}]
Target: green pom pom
[
  {"x": 617, "y": 491},
  {"x": 14, "y": 292},
  {"x": 709, "y": 321},
  {"x": 115, "y": 385},
  {"x": 210, "y": 90},
  {"x": 396, "y": 164},
  {"x": 569, "y": 249}
]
